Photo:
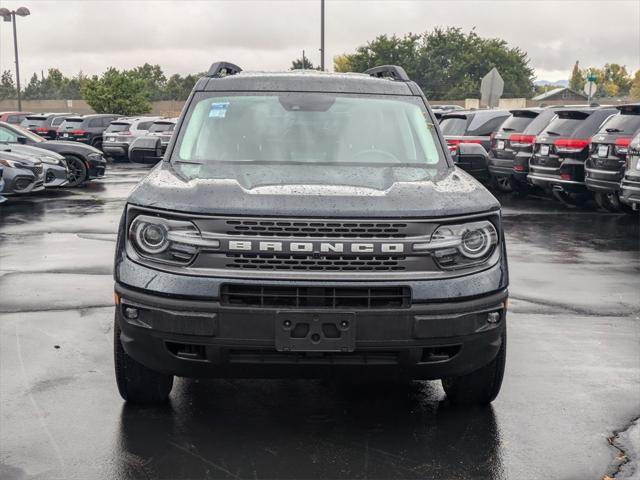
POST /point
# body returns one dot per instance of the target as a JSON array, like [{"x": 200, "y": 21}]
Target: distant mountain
[{"x": 557, "y": 83}]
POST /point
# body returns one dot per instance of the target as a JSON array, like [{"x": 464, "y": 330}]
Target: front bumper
[
  {"x": 55, "y": 176},
  {"x": 204, "y": 338},
  {"x": 96, "y": 166},
  {"x": 115, "y": 149}
]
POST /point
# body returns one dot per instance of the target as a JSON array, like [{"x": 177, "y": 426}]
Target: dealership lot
[{"x": 572, "y": 380}]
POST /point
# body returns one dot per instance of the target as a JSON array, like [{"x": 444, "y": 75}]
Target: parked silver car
[
  {"x": 163, "y": 128},
  {"x": 121, "y": 132},
  {"x": 21, "y": 173},
  {"x": 56, "y": 172}
]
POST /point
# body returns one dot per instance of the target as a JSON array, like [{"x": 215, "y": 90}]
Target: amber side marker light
[{"x": 116, "y": 298}]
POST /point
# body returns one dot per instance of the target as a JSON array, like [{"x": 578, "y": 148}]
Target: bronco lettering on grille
[{"x": 311, "y": 247}]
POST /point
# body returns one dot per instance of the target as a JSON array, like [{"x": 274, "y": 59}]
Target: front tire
[
  {"x": 77, "y": 171},
  {"x": 137, "y": 383},
  {"x": 481, "y": 386}
]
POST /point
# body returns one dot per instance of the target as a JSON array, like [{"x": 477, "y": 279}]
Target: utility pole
[
  {"x": 322, "y": 35},
  {"x": 10, "y": 16}
]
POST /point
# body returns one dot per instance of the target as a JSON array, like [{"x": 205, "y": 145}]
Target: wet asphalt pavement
[{"x": 566, "y": 410}]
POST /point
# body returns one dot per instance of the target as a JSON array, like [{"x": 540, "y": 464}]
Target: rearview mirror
[
  {"x": 146, "y": 150},
  {"x": 473, "y": 159}
]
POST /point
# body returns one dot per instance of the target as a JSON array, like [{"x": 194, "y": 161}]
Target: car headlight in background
[
  {"x": 167, "y": 241},
  {"x": 12, "y": 163},
  {"x": 50, "y": 160},
  {"x": 460, "y": 246}
]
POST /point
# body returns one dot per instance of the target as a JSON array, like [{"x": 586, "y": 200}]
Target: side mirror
[
  {"x": 21, "y": 140},
  {"x": 473, "y": 159},
  {"x": 146, "y": 150}
]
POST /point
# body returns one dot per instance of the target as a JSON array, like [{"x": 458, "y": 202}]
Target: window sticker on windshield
[{"x": 218, "y": 110}]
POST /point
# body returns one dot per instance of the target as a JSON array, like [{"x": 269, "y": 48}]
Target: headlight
[
  {"x": 95, "y": 156},
  {"x": 167, "y": 241},
  {"x": 50, "y": 160},
  {"x": 12, "y": 163},
  {"x": 460, "y": 246}
]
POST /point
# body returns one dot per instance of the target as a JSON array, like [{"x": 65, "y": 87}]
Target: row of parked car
[
  {"x": 575, "y": 153},
  {"x": 58, "y": 149}
]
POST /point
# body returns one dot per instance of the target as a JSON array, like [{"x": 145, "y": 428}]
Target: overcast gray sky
[{"x": 186, "y": 36}]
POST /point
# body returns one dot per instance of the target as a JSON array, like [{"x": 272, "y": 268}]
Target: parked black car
[
  {"x": 86, "y": 129},
  {"x": 508, "y": 140},
  {"x": 471, "y": 126},
  {"x": 630, "y": 194},
  {"x": 84, "y": 162},
  {"x": 557, "y": 164},
  {"x": 309, "y": 224},
  {"x": 604, "y": 168},
  {"x": 45, "y": 124}
]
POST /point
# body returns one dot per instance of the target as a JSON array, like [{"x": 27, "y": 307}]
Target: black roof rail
[
  {"x": 223, "y": 69},
  {"x": 389, "y": 71}
]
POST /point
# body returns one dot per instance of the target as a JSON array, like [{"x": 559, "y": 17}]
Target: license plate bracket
[
  {"x": 500, "y": 145},
  {"x": 302, "y": 331},
  {"x": 544, "y": 150}
]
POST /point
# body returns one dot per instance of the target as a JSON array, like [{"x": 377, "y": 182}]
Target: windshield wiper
[
  {"x": 553, "y": 133},
  {"x": 508, "y": 129},
  {"x": 190, "y": 162},
  {"x": 614, "y": 130}
]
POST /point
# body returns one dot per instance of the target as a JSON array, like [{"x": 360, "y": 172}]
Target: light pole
[
  {"x": 10, "y": 16},
  {"x": 322, "y": 35}
]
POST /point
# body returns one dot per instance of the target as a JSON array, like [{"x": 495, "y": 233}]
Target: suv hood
[
  {"x": 314, "y": 191},
  {"x": 63, "y": 146}
]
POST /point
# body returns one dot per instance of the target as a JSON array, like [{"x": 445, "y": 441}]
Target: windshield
[
  {"x": 33, "y": 122},
  {"x": 454, "y": 125},
  {"x": 30, "y": 135},
  {"x": 162, "y": 127},
  {"x": 516, "y": 123},
  {"x": 71, "y": 124},
  {"x": 117, "y": 127},
  {"x": 309, "y": 128},
  {"x": 622, "y": 123}
]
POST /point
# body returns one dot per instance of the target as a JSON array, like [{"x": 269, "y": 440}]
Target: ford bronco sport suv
[{"x": 309, "y": 224}]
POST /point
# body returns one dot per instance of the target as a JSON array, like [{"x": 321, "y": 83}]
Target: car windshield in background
[
  {"x": 454, "y": 125},
  {"x": 516, "y": 123},
  {"x": 564, "y": 126},
  {"x": 309, "y": 128},
  {"x": 622, "y": 123},
  {"x": 71, "y": 124},
  {"x": 33, "y": 122},
  {"x": 118, "y": 127},
  {"x": 162, "y": 127}
]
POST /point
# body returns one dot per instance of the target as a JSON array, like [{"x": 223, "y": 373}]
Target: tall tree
[
  {"x": 635, "y": 86},
  {"x": 577, "y": 80},
  {"x": 302, "y": 63},
  {"x": 7, "y": 87},
  {"x": 447, "y": 63},
  {"x": 153, "y": 78},
  {"x": 123, "y": 93}
]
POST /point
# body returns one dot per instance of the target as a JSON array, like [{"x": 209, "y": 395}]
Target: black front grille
[
  {"x": 315, "y": 297},
  {"x": 308, "y": 262},
  {"x": 316, "y": 229},
  {"x": 37, "y": 170}
]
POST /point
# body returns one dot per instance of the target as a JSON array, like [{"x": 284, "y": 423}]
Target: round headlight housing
[
  {"x": 476, "y": 243},
  {"x": 151, "y": 238}
]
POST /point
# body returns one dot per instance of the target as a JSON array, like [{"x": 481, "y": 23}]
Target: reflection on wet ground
[{"x": 573, "y": 368}]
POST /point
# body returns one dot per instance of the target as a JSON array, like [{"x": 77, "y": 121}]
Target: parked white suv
[
  {"x": 163, "y": 128},
  {"x": 122, "y": 132}
]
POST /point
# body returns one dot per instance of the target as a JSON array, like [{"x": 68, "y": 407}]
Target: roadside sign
[
  {"x": 591, "y": 77},
  {"x": 590, "y": 88},
  {"x": 491, "y": 88}
]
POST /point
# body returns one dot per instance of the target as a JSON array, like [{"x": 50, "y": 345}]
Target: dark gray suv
[{"x": 309, "y": 224}]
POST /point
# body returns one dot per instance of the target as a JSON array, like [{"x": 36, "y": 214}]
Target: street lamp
[{"x": 8, "y": 16}]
